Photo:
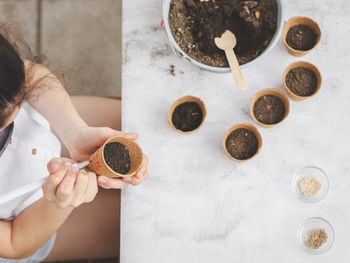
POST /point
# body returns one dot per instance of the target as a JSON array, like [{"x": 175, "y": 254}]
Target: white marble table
[{"x": 200, "y": 206}]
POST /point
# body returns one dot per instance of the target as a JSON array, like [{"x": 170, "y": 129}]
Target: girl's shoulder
[{"x": 28, "y": 114}]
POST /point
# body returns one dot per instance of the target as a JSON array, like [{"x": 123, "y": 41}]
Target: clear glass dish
[
  {"x": 316, "y": 223},
  {"x": 319, "y": 175}
]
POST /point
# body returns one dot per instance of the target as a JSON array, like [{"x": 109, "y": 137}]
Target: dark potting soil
[
  {"x": 301, "y": 37},
  {"x": 242, "y": 144},
  {"x": 187, "y": 116},
  {"x": 117, "y": 157},
  {"x": 301, "y": 81},
  {"x": 195, "y": 23},
  {"x": 269, "y": 109}
]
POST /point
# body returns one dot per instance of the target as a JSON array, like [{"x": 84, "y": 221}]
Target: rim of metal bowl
[{"x": 177, "y": 50}]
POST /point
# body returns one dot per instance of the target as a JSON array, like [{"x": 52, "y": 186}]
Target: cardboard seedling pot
[
  {"x": 300, "y": 20},
  {"x": 301, "y": 64},
  {"x": 99, "y": 166},
  {"x": 247, "y": 126},
  {"x": 183, "y": 100},
  {"x": 275, "y": 92}
]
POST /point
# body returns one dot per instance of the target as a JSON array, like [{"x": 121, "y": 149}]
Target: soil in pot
[
  {"x": 187, "y": 116},
  {"x": 269, "y": 109},
  {"x": 301, "y": 81},
  {"x": 117, "y": 157},
  {"x": 195, "y": 24},
  {"x": 242, "y": 144},
  {"x": 301, "y": 37}
]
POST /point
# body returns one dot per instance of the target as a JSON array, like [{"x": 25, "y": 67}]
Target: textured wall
[{"x": 82, "y": 37}]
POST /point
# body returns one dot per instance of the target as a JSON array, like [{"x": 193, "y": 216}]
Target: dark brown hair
[{"x": 14, "y": 74}]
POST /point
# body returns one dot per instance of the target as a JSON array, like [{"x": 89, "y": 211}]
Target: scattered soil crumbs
[
  {"x": 117, "y": 157},
  {"x": 172, "y": 70},
  {"x": 316, "y": 238},
  {"x": 301, "y": 81},
  {"x": 195, "y": 24},
  {"x": 269, "y": 109},
  {"x": 301, "y": 37},
  {"x": 187, "y": 116},
  {"x": 242, "y": 144}
]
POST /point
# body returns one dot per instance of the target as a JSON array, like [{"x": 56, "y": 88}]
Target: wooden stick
[{"x": 236, "y": 72}]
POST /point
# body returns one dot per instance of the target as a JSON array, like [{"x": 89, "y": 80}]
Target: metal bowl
[{"x": 177, "y": 50}]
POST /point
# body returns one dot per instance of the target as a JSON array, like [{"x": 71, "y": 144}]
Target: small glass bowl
[
  {"x": 316, "y": 223},
  {"x": 319, "y": 175}
]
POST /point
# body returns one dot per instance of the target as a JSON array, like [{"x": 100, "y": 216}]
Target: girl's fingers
[
  {"x": 92, "y": 187},
  {"x": 65, "y": 188},
  {"x": 50, "y": 186},
  {"x": 144, "y": 167},
  {"x": 141, "y": 175},
  {"x": 133, "y": 180},
  {"x": 109, "y": 183},
  {"x": 105, "y": 133},
  {"x": 145, "y": 176},
  {"x": 81, "y": 184},
  {"x": 55, "y": 164},
  {"x": 58, "y": 168},
  {"x": 132, "y": 135}
]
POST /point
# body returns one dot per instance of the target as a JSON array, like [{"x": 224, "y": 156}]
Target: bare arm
[
  {"x": 31, "y": 229},
  {"x": 65, "y": 189},
  {"x": 53, "y": 102},
  {"x": 51, "y": 99}
]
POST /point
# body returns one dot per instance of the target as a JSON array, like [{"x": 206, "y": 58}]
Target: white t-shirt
[{"x": 24, "y": 161}]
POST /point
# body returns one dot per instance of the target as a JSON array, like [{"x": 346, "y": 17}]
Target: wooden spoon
[{"x": 227, "y": 42}]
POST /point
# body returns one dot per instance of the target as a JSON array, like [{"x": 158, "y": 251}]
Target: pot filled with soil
[
  {"x": 300, "y": 35},
  {"x": 117, "y": 157},
  {"x": 269, "y": 107},
  {"x": 192, "y": 25},
  {"x": 242, "y": 142},
  {"x": 187, "y": 114},
  {"x": 302, "y": 80}
]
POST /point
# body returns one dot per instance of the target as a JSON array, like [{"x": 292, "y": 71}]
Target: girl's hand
[
  {"x": 122, "y": 183},
  {"x": 66, "y": 186},
  {"x": 87, "y": 140}
]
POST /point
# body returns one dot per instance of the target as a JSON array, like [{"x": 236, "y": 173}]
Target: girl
[{"x": 50, "y": 223}]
